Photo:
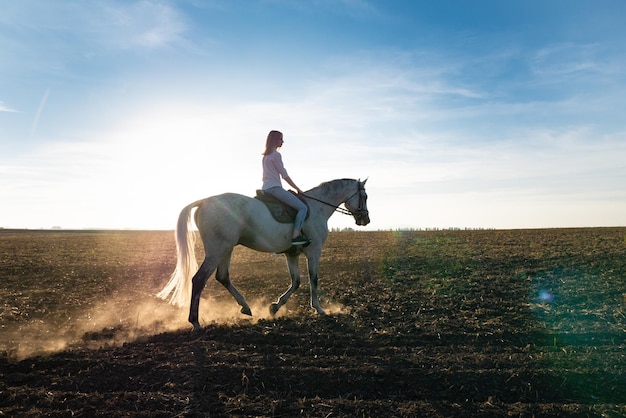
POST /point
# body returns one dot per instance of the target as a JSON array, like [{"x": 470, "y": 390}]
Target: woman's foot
[{"x": 300, "y": 240}]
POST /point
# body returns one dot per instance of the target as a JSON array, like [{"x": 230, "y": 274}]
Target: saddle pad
[{"x": 281, "y": 212}]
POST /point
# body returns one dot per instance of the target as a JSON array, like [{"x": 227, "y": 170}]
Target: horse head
[{"x": 357, "y": 204}]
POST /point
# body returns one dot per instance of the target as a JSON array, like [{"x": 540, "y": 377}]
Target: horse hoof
[
  {"x": 274, "y": 307},
  {"x": 196, "y": 327},
  {"x": 246, "y": 311},
  {"x": 320, "y": 311}
]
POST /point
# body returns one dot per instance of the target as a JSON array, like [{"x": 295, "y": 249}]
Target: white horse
[{"x": 229, "y": 219}]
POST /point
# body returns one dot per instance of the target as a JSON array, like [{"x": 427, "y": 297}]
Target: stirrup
[{"x": 300, "y": 240}]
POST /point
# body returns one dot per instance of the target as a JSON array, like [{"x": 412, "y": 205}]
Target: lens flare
[{"x": 545, "y": 296}]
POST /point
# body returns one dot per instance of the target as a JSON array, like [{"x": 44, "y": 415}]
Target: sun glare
[{"x": 162, "y": 162}]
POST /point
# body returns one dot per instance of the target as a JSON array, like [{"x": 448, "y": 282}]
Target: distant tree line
[{"x": 452, "y": 228}]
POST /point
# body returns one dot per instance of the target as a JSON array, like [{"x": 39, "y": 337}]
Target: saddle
[{"x": 281, "y": 212}]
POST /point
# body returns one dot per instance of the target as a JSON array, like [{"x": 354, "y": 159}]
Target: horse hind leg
[
  {"x": 294, "y": 272},
  {"x": 223, "y": 277},
  {"x": 198, "y": 282}
]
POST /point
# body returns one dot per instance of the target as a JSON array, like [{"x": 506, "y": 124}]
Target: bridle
[{"x": 360, "y": 212}]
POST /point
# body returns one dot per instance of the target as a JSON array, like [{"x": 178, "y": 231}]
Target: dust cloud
[{"x": 123, "y": 319}]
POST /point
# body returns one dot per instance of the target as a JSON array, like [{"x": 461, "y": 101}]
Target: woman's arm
[{"x": 292, "y": 184}]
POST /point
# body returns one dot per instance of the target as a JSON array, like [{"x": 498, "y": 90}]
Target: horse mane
[{"x": 332, "y": 184}]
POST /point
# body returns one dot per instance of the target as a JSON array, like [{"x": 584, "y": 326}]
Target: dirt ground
[{"x": 420, "y": 324}]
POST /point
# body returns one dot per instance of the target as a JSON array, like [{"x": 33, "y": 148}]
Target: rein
[{"x": 343, "y": 211}]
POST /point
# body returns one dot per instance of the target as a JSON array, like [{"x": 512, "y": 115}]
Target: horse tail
[{"x": 179, "y": 284}]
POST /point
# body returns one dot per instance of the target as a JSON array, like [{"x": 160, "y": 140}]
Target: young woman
[{"x": 273, "y": 170}]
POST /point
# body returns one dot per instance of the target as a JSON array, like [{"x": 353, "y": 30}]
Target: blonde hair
[{"x": 272, "y": 142}]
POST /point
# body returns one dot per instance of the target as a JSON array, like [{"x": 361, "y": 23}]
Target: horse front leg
[
  {"x": 294, "y": 273},
  {"x": 313, "y": 264}
]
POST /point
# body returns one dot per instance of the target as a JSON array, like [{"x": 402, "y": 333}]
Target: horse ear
[{"x": 364, "y": 181}]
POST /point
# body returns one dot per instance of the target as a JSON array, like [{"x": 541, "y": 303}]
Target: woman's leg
[{"x": 290, "y": 200}]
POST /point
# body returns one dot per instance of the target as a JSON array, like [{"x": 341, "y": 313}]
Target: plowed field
[{"x": 425, "y": 324}]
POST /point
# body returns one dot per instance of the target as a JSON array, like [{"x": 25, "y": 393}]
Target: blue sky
[{"x": 492, "y": 114}]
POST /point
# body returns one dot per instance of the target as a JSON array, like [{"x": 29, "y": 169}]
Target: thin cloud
[
  {"x": 351, "y": 8},
  {"x": 42, "y": 105},
  {"x": 5, "y": 108},
  {"x": 145, "y": 24},
  {"x": 565, "y": 60}
]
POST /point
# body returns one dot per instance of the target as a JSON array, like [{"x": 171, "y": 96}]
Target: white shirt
[{"x": 273, "y": 169}]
